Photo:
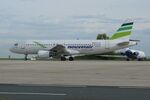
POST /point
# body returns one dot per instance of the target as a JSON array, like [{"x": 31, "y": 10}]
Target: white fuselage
[{"x": 81, "y": 46}]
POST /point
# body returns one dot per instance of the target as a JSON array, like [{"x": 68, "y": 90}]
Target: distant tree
[{"x": 102, "y": 36}]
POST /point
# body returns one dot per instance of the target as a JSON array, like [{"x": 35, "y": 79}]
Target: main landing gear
[
  {"x": 128, "y": 59},
  {"x": 71, "y": 58},
  {"x": 26, "y": 57},
  {"x": 63, "y": 58}
]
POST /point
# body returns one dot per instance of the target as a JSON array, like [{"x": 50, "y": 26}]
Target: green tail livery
[{"x": 123, "y": 31}]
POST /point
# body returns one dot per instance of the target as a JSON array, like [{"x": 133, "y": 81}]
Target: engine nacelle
[
  {"x": 141, "y": 55},
  {"x": 135, "y": 54},
  {"x": 43, "y": 54},
  {"x": 132, "y": 54}
]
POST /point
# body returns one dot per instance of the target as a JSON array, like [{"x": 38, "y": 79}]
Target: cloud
[{"x": 41, "y": 27}]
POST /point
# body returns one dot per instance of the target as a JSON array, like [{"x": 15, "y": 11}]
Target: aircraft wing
[
  {"x": 59, "y": 49},
  {"x": 62, "y": 50}
]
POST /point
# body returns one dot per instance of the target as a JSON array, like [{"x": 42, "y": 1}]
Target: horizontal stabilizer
[
  {"x": 123, "y": 44},
  {"x": 134, "y": 40}
]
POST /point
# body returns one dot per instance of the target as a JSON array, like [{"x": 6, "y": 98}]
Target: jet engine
[
  {"x": 135, "y": 54},
  {"x": 45, "y": 54}
]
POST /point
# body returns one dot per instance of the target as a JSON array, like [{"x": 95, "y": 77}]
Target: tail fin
[{"x": 124, "y": 32}]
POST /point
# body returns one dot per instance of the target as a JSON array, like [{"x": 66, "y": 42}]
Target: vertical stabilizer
[{"x": 124, "y": 32}]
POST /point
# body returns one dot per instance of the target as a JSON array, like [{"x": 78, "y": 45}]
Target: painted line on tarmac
[
  {"x": 51, "y": 85},
  {"x": 134, "y": 87},
  {"x": 30, "y": 93}
]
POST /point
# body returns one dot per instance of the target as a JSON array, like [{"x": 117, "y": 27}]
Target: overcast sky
[{"x": 71, "y": 19}]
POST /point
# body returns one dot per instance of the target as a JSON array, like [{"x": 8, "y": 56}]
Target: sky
[{"x": 71, "y": 19}]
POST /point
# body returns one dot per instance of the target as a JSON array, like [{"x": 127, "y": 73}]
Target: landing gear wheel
[
  {"x": 71, "y": 58},
  {"x": 63, "y": 59},
  {"x": 26, "y": 57},
  {"x": 128, "y": 59},
  {"x": 139, "y": 59}
]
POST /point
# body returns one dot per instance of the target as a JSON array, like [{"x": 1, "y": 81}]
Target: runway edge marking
[{"x": 30, "y": 93}]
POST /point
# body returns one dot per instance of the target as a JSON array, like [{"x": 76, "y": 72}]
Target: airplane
[
  {"x": 68, "y": 49},
  {"x": 132, "y": 54}
]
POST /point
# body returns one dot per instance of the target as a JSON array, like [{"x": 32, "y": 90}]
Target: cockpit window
[{"x": 16, "y": 44}]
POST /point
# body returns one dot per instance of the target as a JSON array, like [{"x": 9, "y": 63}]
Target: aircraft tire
[
  {"x": 139, "y": 59},
  {"x": 63, "y": 59},
  {"x": 71, "y": 58},
  {"x": 128, "y": 59},
  {"x": 26, "y": 57}
]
